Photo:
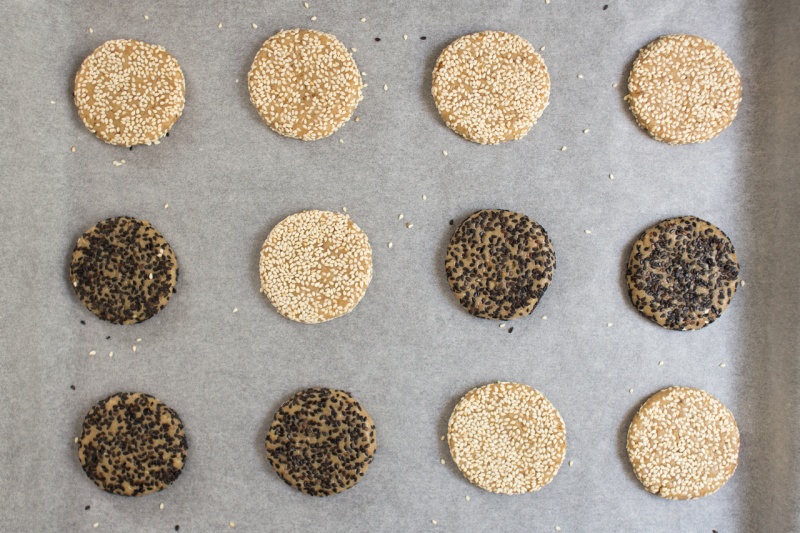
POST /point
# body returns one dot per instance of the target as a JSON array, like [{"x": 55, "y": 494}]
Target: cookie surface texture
[
  {"x": 682, "y": 273},
  {"x": 129, "y": 92},
  {"x": 315, "y": 266},
  {"x": 123, "y": 270},
  {"x": 490, "y": 87},
  {"x": 321, "y": 441},
  {"x": 684, "y": 89},
  {"x": 683, "y": 444},
  {"x": 304, "y": 83},
  {"x": 507, "y": 438},
  {"x": 132, "y": 445},
  {"x": 499, "y": 264}
]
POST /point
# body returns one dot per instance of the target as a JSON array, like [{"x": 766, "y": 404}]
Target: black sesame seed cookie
[
  {"x": 499, "y": 264},
  {"x": 682, "y": 273},
  {"x": 132, "y": 444},
  {"x": 123, "y": 270},
  {"x": 321, "y": 441}
]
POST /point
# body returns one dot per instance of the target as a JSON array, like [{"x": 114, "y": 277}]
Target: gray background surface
[{"x": 408, "y": 352}]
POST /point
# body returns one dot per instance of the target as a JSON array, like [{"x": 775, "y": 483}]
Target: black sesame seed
[
  {"x": 452, "y": 221},
  {"x": 377, "y": 39},
  {"x": 422, "y": 38},
  {"x": 605, "y": 7},
  {"x": 177, "y": 528},
  {"x": 510, "y": 329},
  {"x": 83, "y": 322},
  {"x": 87, "y": 507},
  {"x": 72, "y": 387}
]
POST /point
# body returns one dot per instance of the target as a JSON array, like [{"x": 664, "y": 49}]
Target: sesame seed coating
[
  {"x": 499, "y": 264},
  {"x": 123, "y": 270},
  {"x": 683, "y": 444},
  {"x": 682, "y": 273},
  {"x": 321, "y": 441},
  {"x": 128, "y": 92},
  {"x": 507, "y": 438},
  {"x": 490, "y": 87},
  {"x": 315, "y": 266},
  {"x": 132, "y": 444},
  {"x": 304, "y": 83},
  {"x": 684, "y": 89}
]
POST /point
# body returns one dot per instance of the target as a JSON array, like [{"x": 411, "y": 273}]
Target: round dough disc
[
  {"x": 683, "y": 444},
  {"x": 315, "y": 266},
  {"x": 490, "y": 87},
  {"x": 321, "y": 441},
  {"x": 132, "y": 444},
  {"x": 499, "y": 264},
  {"x": 123, "y": 270},
  {"x": 682, "y": 273},
  {"x": 304, "y": 84},
  {"x": 684, "y": 89},
  {"x": 507, "y": 438},
  {"x": 129, "y": 92}
]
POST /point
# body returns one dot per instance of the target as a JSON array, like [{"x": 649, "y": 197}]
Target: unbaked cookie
[
  {"x": 682, "y": 273},
  {"x": 684, "y": 89},
  {"x": 499, "y": 264},
  {"x": 304, "y": 83},
  {"x": 132, "y": 444},
  {"x": 507, "y": 438},
  {"x": 490, "y": 86},
  {"x": 683, "y": 444},
  {"x": 315, "y": 266},
  {"x": 129, "y": 92},
  {"x": 321, "y": 441},
  {"x": 123, "y": 270}
]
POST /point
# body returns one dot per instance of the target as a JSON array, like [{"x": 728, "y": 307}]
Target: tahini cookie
[
  {"x": 123, "y": 270},
  {"x": 499, "y": 264},
  {"x": 682, "y": 273},
  {"x": 684, "y": 89},
  {"x": 321, "y": 441},
  {"x": 490, "y": 87},
  {"x": 507, "y": 438},
  {"x": 683, "y": 444},
  {"x": 128, "y": 92},
  {"x": 315, "y": 266},
  {"x": 304, "y": 84},
  {"x": 132, "y": 444}
]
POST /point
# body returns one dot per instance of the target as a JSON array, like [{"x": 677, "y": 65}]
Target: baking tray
[{"x": 409, "y": 351}]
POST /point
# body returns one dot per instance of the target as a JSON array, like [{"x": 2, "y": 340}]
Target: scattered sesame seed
[
  {"x": 441, "y": 438},
  {"x": 611, "y": 176},
  {"x": 255, "y": 26},
  {"x": 442, "y": 461},
  {"x": 546, "y": 1},
  {"x": 424, "y": 197},
  {"x": 466, "y": 498},
  {"x": 96, "y": 525},
  {"x": 385, "y": 87},
  {"x": 502, "y": 325},
  {"x": 341, "y": 141},
  {"x": 563, "y": 148},
  {"x": 357, "y": 119},
  {"x": 219, "y": 25},
  {"x": 314, "y": 17},
  {"x": 91, "y": 30},
  {"x": 409, "y": 225},
  {"x": 661, "y": 363},
  {"x": 72, "y": 149},
  {"x": 118, "y": 163},
  {"x": 587, "y": 231},
  {"x": 444, "y": 153},
  {"x": 166, "y": 206},
  {"x": 138, "y": 340},
  {"x": 434, "y": 522},
  {"x": 722, "y": 365},
  {"x": 363, "y": 19},
  {"x": 93, "y": 352},
  {"x": 76, "y": 440},
  {"x": 615, "y": 85},
  {"x": 133, "y": 348},
  {"x": 400, "y": 216},
  {"x": 542, "y": 48},
  {"x": 586, "y": 130},
  {"x": 151, "y": 275},
  {"x": 344, "y": 209},
  {"x": 146, "y": 17},
  {"x": 161, "y": 506},
  {"x": 544, "y": 317},
  {"x": 390, "y": 245},
  {"x": 610, "y": 324},
  {"x": 353, "y": 49},
  {"x": 305, "y": 5},
  {"x": 558, "y": 528},
  {"x": 570, "y": 463},
  {"x": 111, "y": 354},
  {"x": 742, "y": 283},
  {"x": 52, "y": 102},
  {"x": 630, "y": 391},
  {"x": 580, "y": 76},
  {"x": 232, "y": 524},
  {"x": 405, "y": 37},
  {"x": 235, "y": 309}
]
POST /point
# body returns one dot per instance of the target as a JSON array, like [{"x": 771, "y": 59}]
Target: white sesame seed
[
  {"x": 232, "y": 524},
  {"x": 72, "y": 149},
  {"x": 362, "y": 19},
  {"x": 441, "y": 438},
  {"x": 91, "y": 31},
  {"x": 742, "y": 283},
  {"x": 661, "y": 363},
  {"x": 161, "y": 506},
  {"x": 111, "y": 354},
  {"x": 305, "y": 5},
  {"x": 409, "y": 225},
  {"x": 390, "y": 245},
  {"x": 151, "y": 275},
  {"x": 93, "y": 352},
  {"x": 586, "y": 130},
  {"x": 219, "y": 25},
  {"x": 235, "y": 309},
  {"x": 722, "y": 365},
  {"x": 424, "y": 197},
  {"x": 133, "y": 348},
  {"x": 357, "y": 119},
  {"x": 546, "y": 1},
  {"x": 353, "y": 49},
  {"x": 558, "y": 528},
  {"x": 76, "y": 440},
  {"x": 146, "y": 17},
  {"x": 385, "y": 87},
  {"x": 166, "y": 206},
  {"x": 255, "y": 26},
  {"x": 466, "y": 498},
  {"x": 502, "y": 325},
  {"x": 118, "y": 163},
  {"x": 615, "y": 85},
  {"x": 52, "y": 102},
  {"x": 96, "y": 525},
  {"x": 611, "y": 176},
  {"x": 587, "y": 231},
  {"x": 442, "y": 461},
  {"x": 630, "y": 391},
  {"x": 544, "y": 317},
  {"x": 570, "y": 463},
  {"x": 610, "y": 324},
  {"x": 434, "y": 522},
  {"x": 563, "y": 148},
  {"x": 400, "y": 216},
  {"x": 405, "y": 37},
  {"x": 314, "y": 17},
  {"x": 444, "y": 153},
  {"x": 580, "y": 76},
  {"x": 344, "y": 209},
  {"x": 138, "y": 340},
  {"x": 542, "y": 48},
  {"x": 341, "y": 141}
]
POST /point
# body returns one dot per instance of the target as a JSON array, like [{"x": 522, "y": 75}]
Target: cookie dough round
[
  {"x": 132, "y": 444},
  {"x": 682, "y": 273},
  {"x": 315, "y": 266},
  {"x": 304, "y": 84},
  {"x": 129, "y": 92},
  {"x": 684, "y": 89},
  {"x": 123, "y": 270},
  {"x": 499, "y": 264},
  {"x": 321, "y": 441},
  {"x": 490, "y": 87},
  {"x": 507, "y": 438},
  {"x": 683, "y": 444}
]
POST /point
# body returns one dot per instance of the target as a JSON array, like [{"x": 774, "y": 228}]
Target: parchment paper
[{"x": 409, "y": 351}]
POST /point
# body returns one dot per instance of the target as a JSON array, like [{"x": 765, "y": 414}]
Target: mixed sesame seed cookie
[
  {"x": 132, "y": 444},
  {"x": 304, "y": 83},
  {"x": 129, "y": 92},
  {"x": 321, "y": 441},
  {"x": 684, "y": 89},
  {"x": 683, "y": 444},
  {"x": 315, "y": 266},
  {"x": 499, "y": 264},
  {"x": 507, "y": 438},
  {"x": 490, "y": 87},
  {"x": 123, "y": 270},
  {"x": 682, "y": 273}
]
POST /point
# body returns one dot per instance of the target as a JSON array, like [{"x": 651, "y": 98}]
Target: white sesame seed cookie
[
  {"x": 490, "y": 87},
  {"x": 129, "y": 92},
  {"x": 684, "y": 89},
  {"x": 507, "y": 438},
  {"x": 304, "y": 84},
  {"x": 683, "y": 444},
  {"x": 315, "y": 266}
]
